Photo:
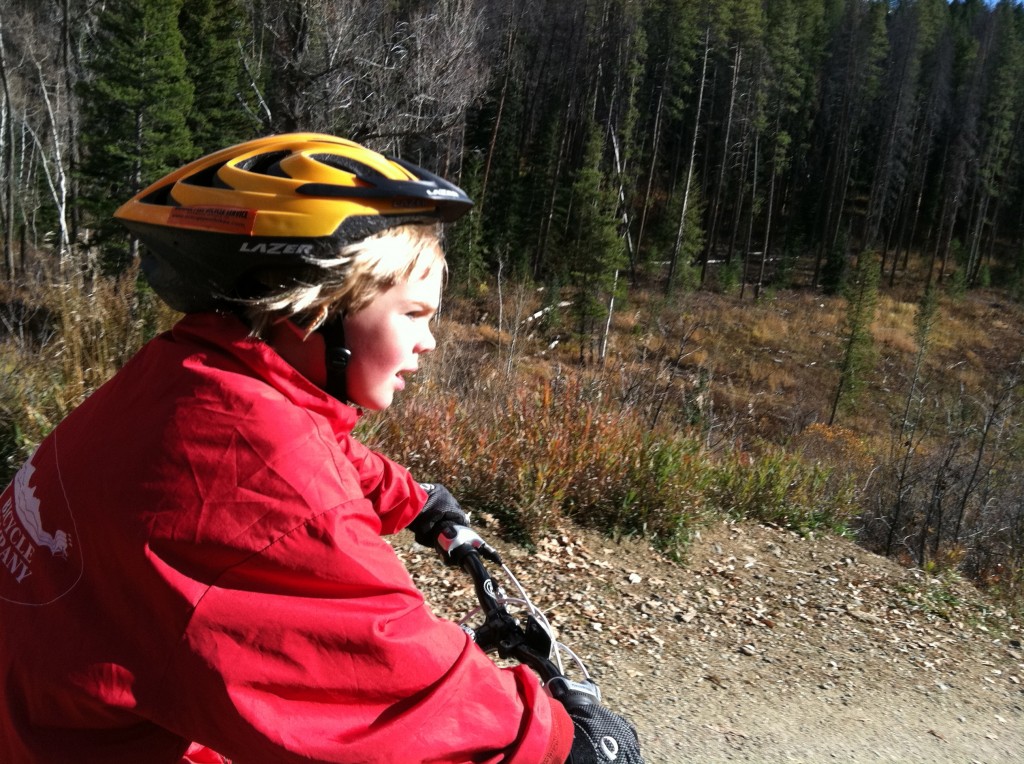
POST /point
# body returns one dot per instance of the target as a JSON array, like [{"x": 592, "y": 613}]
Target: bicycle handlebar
[{"x": 532, "y": 645}]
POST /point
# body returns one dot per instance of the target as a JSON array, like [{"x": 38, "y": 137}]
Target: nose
[{"x": 427, "y": 341}]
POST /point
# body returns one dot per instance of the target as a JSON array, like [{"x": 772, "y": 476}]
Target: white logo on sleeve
[
  {"x": 26, "y": 505},
  {"x": 36, "y": 561}
]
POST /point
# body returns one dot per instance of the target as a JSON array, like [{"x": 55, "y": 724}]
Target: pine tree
[
  {"x": 133, "y": 109},
  {"x": 220, "y": 114},
  {"x": 998, "y": 127},
  {"x": 859, "y": 350},
  {"x": 907, "y": 439},
  {"x": 466, "y": 265},
  {"x": 594, "y": 251}
]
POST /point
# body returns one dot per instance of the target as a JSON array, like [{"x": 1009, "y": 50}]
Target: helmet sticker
[{"x": 235, "y": 220}]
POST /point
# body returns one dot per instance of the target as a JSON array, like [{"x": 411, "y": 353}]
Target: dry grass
[
  {"x": 894, "y": 340},
  {"x": 76, "y": 337},
  {"x": 769, "y": 327},
  {"x": 893, "y": 329}
]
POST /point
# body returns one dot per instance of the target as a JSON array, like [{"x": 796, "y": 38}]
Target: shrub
[
  {"x": 782, "y": 489},
  {"x": 536, "y": 454}
]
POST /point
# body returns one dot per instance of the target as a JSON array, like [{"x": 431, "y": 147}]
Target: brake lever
[
  {"x": 456, "y": 541},
  {"x": 573, "y": 694}
]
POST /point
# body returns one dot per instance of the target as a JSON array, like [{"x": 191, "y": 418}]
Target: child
[{"x": 221, "y": 583}]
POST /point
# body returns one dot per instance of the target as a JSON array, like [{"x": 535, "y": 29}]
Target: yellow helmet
[{"x": 284, "y": 203}]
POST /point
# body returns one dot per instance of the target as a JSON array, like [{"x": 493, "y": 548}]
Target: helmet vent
[
  {"x": 161, "y": 196},
  {"x": 264, "y": 164},
  {"x": 347, "y": 164},
  {"x": 208, "y": 177}
]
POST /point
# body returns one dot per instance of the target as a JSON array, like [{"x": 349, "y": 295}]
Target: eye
[{"x": 421, "y": 312}]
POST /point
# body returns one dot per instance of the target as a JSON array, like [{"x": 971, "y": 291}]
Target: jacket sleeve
[
  {"x": 396, "y": 496},
  {"x": 319, "y": 648}
]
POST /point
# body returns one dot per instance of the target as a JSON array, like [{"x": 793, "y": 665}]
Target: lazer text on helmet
[{"x": 277, "y": 248}]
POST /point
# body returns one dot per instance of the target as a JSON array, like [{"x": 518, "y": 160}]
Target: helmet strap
[{"x": 337, "y": 358}]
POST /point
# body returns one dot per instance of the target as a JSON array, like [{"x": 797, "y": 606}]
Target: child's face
[{"x": 387, "y": 337}]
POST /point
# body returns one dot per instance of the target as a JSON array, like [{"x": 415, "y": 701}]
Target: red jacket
[{"x": 194, "y": 554}]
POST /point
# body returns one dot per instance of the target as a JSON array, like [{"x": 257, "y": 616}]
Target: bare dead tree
[
  {"x": 7, "y": 143},
  {"x": 399, "y": 83}
]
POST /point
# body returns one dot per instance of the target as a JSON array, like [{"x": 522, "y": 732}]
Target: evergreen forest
[{"x": 626, "y": 157}]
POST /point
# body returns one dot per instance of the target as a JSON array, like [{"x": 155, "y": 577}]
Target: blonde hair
[{"x": 359, "y": 273}]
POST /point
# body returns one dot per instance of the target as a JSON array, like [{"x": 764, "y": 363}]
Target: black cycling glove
[
  {"x": 441, "y": 507},
  {"x": 602, "y": 737}
]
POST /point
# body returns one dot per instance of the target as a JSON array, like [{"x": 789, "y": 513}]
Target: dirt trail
[{"x": 766, "y": 646}]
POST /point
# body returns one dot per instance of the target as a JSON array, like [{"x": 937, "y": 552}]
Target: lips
[{"x": 402, "y": 375}]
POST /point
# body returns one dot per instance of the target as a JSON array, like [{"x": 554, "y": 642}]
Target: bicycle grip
[
  {"x": 456, "y": 541},
  {"x": 574, "y": 694}
]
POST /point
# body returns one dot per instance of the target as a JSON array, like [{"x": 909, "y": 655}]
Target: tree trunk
[
  {"x": 58, "y": 180},
  {"x": 674, "y": 261},
  {"x": 7, "y": 142},
  {"x": 549, "y": 219},
  {"x": 621, "y": 196},
  {"x": 608, "y": 320},
  {"x": 974, "y": 255},
  {"x": 650, "y": 175},
  {"x": 717, "y": 197},
  {"x": 497, "y": 120},
  {"x": 738, "y": 203},
  {"x": 767, "y": 232},
  {"x": 835, "y": 200},
  {"x": 750, "y": 220}
]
